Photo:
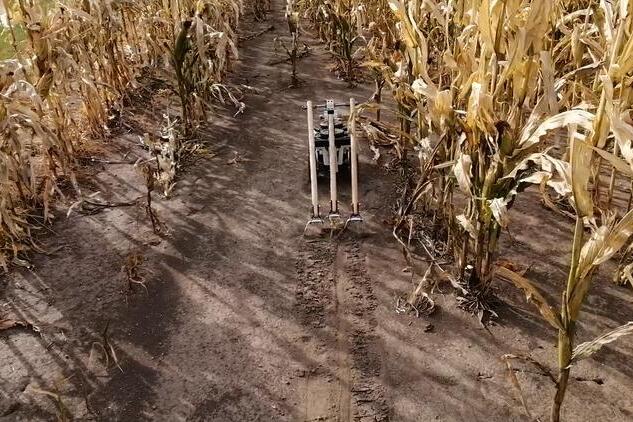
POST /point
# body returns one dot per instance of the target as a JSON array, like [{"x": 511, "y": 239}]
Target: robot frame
[{"x": 332, "y": 134}]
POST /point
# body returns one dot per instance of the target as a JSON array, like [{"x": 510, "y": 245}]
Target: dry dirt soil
[{"x": 242, "y": 318}]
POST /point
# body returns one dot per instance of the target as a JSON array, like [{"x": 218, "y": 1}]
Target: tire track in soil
[
  {"x": 336, "y": 302},
  {"x": 344, "y": 374},
  {"x": 315, "y": 271},
  {"x": 367, "y": 392}
]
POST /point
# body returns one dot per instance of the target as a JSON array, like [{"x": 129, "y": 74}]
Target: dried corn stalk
[{"x": 74, "y": 61}]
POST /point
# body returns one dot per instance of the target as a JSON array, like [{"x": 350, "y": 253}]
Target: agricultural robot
[{"x": 333, "y": 152}]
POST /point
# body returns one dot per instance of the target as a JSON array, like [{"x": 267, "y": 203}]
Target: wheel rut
[
  {"x": 344, "y": 370},
  {"x": 335, "y": 298}
]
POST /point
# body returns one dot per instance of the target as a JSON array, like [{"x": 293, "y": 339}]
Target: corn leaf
[
  {"x": 533, "y": 295},
  {"x": 587, "y": 349},
  {"x": 580, "y": 161},
  {"x": 463, "y": 173}
]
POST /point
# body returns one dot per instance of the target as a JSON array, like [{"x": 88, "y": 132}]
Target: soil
[{"x": 242, "y": 318}]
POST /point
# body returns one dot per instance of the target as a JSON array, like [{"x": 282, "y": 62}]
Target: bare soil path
[{"x": 243, "y": 319}]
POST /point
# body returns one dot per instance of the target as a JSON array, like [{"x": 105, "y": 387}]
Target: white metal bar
[
  {"x": 353, "y": 158},
  {"x": 333, "y": 158},
  {"x": 314, "y": 188}
]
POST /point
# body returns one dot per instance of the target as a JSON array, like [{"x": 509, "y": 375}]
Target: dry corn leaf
[
  {"x": 463, "y": 173},
  {"x": 533, "y": 295},
  {"x": 580, "y": 162},
  {"x": 587, "y": 349},
  {"x": 7, "y": 324}
]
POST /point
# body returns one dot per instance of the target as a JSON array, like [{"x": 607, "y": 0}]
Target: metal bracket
[
  {"x": 329, "y": 106},
  {"x": 333, "y": 218},
  {"x": 334, "y": 212},
  {"x": 355, "y": 218},
  {"x": 314, "y": 220}
]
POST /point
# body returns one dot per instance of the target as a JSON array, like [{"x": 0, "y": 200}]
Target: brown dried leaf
[
  {"x": 533, "y": 295},
  {"x": 587, "y": 349}
]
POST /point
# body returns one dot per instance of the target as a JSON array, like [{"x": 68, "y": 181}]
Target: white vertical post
[
  {"x": 314, "y": 188},
  {"x": 333, "y": 157},
  {"x": 353, "y": 158}
]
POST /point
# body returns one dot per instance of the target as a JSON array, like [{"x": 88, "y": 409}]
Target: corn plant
[
  {"x": 488, "y": 142},
  {"x": 376, "y": 51},
  {"x": 587, "y": 142},
  {"x": 73, "y": 63},
  {"x": 484, "y": 92},
  {"x": 178, "y": 56},
  {"x": 339, "y": 23},
  {"x": 294, "y": 52},
  {"x": 587, "y": 255},
  {"x": 481, "y": 98},
  {"x": 261, "y": 9}
]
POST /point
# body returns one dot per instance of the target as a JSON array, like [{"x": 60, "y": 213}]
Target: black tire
[{"x": 345, "y": 171}]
